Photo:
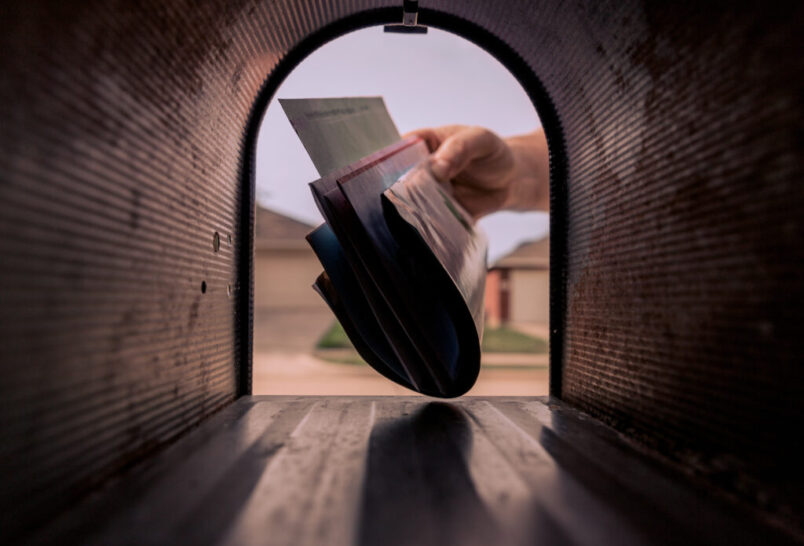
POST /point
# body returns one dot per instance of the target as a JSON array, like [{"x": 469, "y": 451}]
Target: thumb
[{"x": 460, "y": 149}]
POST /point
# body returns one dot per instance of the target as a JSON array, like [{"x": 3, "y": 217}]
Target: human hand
[{"x": 487, "y": 173}]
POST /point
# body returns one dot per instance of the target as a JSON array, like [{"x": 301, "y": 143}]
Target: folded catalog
[{"x": 404, "y": 269}]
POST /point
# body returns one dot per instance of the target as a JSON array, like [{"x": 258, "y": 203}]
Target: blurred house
[
  {"x": 518, "y": 286},
  {"x": 285, "y": 266}
]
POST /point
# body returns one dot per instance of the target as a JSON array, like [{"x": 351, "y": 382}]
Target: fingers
[
  {"x": 429, "y": 136},
  {"x": 434, "y": 136},
  {"x": 458, "y": 150}
]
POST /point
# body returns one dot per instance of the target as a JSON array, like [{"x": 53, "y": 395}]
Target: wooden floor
[{"x": 403, "y": 470}]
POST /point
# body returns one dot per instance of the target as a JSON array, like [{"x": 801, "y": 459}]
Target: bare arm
[{"x": 488, "y": 173}]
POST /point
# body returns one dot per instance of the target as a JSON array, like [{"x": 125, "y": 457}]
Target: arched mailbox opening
[{"x": 530, "y": 279}]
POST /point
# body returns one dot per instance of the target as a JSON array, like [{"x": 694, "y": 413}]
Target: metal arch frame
[{"x": 533, "y": 87}]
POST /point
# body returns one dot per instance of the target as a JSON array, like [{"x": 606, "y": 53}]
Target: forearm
[{"x": 530, "y": 181}]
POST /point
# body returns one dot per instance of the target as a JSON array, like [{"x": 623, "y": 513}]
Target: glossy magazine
[{"x": 404, "y": 269}]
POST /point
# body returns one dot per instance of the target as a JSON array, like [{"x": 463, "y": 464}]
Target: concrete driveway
[
  {"x": 304, "y": 374},
  {"x": 284, "y": 341}
]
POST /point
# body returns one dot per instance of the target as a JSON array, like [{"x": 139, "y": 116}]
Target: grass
[
  {"x": 334, "y": 338},
  {"x": 343, "y": 357},
  {"x": 495, "y": 340},
  {"x": 507, "y": 340}
]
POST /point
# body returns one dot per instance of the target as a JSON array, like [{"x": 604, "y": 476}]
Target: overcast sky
[{"x": 426, "y": 80}]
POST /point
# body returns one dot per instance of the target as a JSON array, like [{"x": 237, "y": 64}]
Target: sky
[{"x": 427, "y": 81}]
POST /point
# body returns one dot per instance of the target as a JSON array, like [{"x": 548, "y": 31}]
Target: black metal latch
[{"x": 410, "y": 20}]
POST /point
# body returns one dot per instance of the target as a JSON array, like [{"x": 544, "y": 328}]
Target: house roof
[
  {"x": 528, "y": 255},
  {"x": 276, "y": 230}
]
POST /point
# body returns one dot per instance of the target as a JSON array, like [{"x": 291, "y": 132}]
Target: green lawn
[
  {"x": 495, "y": 340},
  {"x": 334, "y": 338},
  {"x": 506, "y": 340}
]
